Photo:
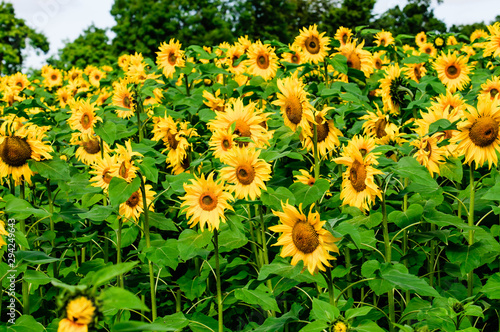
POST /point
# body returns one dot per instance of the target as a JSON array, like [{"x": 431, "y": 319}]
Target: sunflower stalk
[
  {"x": 148, "y": 245},
  {"x": 220, "y": 308},
  {"x": 139, "y": 110},
  {"x": 52, "y": 227},
  {"x": 405, "y": 240},
  {"x": 119, "y": 250},
  {"x": 255, "y": 239},
  {"x": 264, "y": 251},
  {"x": 388, "y": 258},
  {"x": 25, "y": 284},
  {"x": 316, "y": 155},
  {"x": 347, "y": 254},
  {"x": 470, "y": 276}
]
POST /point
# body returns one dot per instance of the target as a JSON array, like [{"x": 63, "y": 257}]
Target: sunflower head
[{"x": 313, "y": 44}]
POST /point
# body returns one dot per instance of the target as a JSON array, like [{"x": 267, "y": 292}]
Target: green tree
[
  {"x": 416, "y": 16},
  {"x": 14, "y": 36},
  {"x": 92, "y": 47},
  {"x": 350, "y": 14}
]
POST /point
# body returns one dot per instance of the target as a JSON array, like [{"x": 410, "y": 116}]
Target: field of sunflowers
[{"x": 338, "y": 183}]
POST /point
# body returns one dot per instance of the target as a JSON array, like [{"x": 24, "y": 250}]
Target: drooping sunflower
[
  {"x": 262, "y": 60},
  {"x": 294, "y": 104},
  {"x": 246, "y": 172},
  {"x": 245, "y": 42},
  {"x": 392, "y": 94},
  {"x": 20, "y": 145},
  {"x": 365, "y": 144},
  {"x": 358, "y": 183},
  {"x": 490, "y": 88},
  {"x": 303, "y": 176},
  {"x": 89, "y": 149},
  {"x": 221, "y": 142},
  {"x": 122, "y": 97},
  {"x": 247, "y": 123},
  {"x": 304, "y": 238},
  {"x": 327, "y": 134},
  {"x": 313, "y": 44},
  {"x": 213, "y": 101},
  {"x": 83, "y": 117},
  {"x": 415, "y": 71},
  {"x": 428, "y": 153},
  {"x": 357, "y": 58},
  {"x": 169, "y": 57},
  {"x": 343, "y": 35},
  {"x": 421, "y": 38},
  {"x": 134, "y": 206},
  {"x": 124, "y": 167},
  {"x": 380, "y": 59},
  {"x": 174, "y": 139},
  {"x": 80, "y": 313},
  {"x": 206, "y": 201},
  {"x": 383, "y": 38},
  {"x": 479, "y": 137},
  {"x": 101, "y": 170},
  {"x": 453, "y": 70}
]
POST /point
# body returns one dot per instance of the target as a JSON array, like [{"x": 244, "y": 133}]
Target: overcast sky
[{"x": 65, "y": 20}]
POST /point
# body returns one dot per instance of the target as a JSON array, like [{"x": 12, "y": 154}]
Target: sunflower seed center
[
  {"x": 106, "y": 176},
  {"x": 172, "y": 140},
  {"x": 172, "y": 58},
  {"x": 85, "y": 121},
  {"x": 263, "y": 62},
  {"x": 484, "y": 131},
  {"x": 15, "y": 151},
  {"x": 452, "y": 71},
  {"x": 295, "y": 58},
  {"x": 208, "y": 201},
  {"x": 312, "y": 45},
  {"x": 92, "y": 146},
  {"x": 380, "y": 128},
  {"x": 293, "y": 109},
  {"x": 357, "y": 176},
  {"x": 245, "y": 174},
  {"x": 493, "y": 93},
  {"x": 126, "y": 102},
  {"x": 133, "y": 200},
  {"x": 305, "y": 237}
]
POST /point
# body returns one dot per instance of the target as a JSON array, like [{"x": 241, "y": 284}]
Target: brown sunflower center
[
  {"x": 92, "y": 146},
  {"x": 106, "y": 176},
  {"x": 97, "y": 77},
  {"x": 428, "y": 148},
  {"x": 383, "y": 41},
  {"x": 53, "y": 77},
  {"x": 172, "y": 140},
  {"x": 208, "y": 201},
  {"x": 363, "y": 151},
  {"x": 19, "y": 84},
  {"x": 263, "y": 61},
  {"x": 242, "y": 129},
  {"x": 357, "y": 176},
  {"x": 126, "y": 102},
  {"x": 428, "y": 50},
  {"x": 452, "y": 71},
  {"x": 322, "y": 129},
  {"x": 312, "y": 45},
  {"x": 295, "y": 58},
  {"x": 493, "y": 93},
  {"x": 380, "y": 128},
  {"x": 344, "y": 38},
  {"x": 484, "y": 131},
  {"x": 378, "y": 63},
  {"x": 354, "y": 61},
  {"x": 172, "y": 59},
  {"x": 417, "y": 72},
  {"x": 15, "y": 151},
  {"x": 305, "y": 237},
  {"x": 311, "y": 181},
  {"x": 293, "y": 109},
  {"x": 226, "y": 144},
  {"x": 245, "y": 174},
  {"x": 85, "y": 121},
  {"x": 133, "y": 200},
  {"x": 123, "y": 170}
]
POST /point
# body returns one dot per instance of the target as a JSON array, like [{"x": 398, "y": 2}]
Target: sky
[{"x": 65, "y": 20}]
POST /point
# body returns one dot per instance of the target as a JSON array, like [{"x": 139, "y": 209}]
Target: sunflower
[
  {"x": 18, "y": 147},
  {"x": 392, "y": 95},
  {"x": 246, "y": 173},
  {"x": 415, "y": 71},
  {"x": 80, "y": 313},
  {"x": 428, "y": 153},
  {"x": 294, "y": 104},
  {"x": 53, "y": 78},
  {"x": 170, "y": 57},
  {"x": 327, "y": 134},
  {"x": 262, "y": 61},
  {"x": 478, "y": 138},
  {"x": 124, "y": 61},
  {"x": 95, "y": 76},
  {"x": 378, "y": 127},
  {"x": 357, "y": 58},
  {"x": 453, "y": 70},
  {"x": 478, "y": 33},
  {"x": 213, "y": 101},
  {"x": 490, "y": 88},
  {"x": 19, "y": 81},
  {"x": 64, "y": 96},
  {"x": 364, "y": 144},
  {"x": 166, "y": 130},
  {"x": 428, "y": 48},
  {"x": 421, "y": 38},
  {"x": 358, "y": 183},
  {"x": 304, "y": 238},
  {"x": 124, "y": 167},
  {"x": 343, "y": 35},
  {"x": 206, "y": 201},
  {"x": 247, "y": 123},
  {"x": 438, "y": 42},
  {"x": 492, "y": 45},
  {"x": 83, "y": 117},
  {"x": 383, "y": 38},
  {"x": 379, "y": 60},
  {"x": 221, "y": 142},
  {"x": 103, "y": 95},
  {"x": 134, "y": 206},
  {"x": 313, "y": 44},
  {"x": 296, "y": 55},
  {"x": 233, "y": 54},
  {"x": 101, "y": 170},
  {"x": 3, "y": 232},
  {"x": 451, "y": 40},
  {"x": 89, "y": 149},
  {"x": 74, "y": 74},
  {"x": 123, "y": 99},
  {"x": 304, "y": 177}
]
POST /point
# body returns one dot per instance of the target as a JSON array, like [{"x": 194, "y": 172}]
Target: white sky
[{"x": 65, "y": 20}]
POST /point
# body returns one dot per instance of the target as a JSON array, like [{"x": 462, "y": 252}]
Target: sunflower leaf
[
  {"x": 120, "y": 190},
  {"x": 119, "y": 298},
  {"x": 257, "y": 296},
  {"x": 109, "y": 272}
]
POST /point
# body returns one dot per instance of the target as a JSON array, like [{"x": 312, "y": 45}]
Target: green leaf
[
  {"x": 324, "y": 310},
  {"x": 279, "y": 267},
  {"x": 25, "y": 323},
  {"x": 273, "y": 198},
  {"x": 493, "y": 194},
  {"x": 36, "y": 277},
  {"x": 37, "y": 257},
  {"x": 134, "y": 326},
  {"x": 277, "y": 323},
  {"x": 109, "y": 272},
  {"x": 18, "y": 208},
  {"x": 492, "y": 287},
  {"x": 54, "y": 169},
  {"x": 316, "y": 326},
  {"x": 120, "y": 190},
  {"x": 420, "y": 179},
  {"x": 368, "y": 326},
  {"x": 369, "y": 268},
  {"x": 163, "y": 253},
  {"x": 412, "y": 215},
  {"x": 256, "y": 296},
  {"x": 467, "y": 257},
  {"x": 97, "y": 213},
  {"x": 148, "y": 169},
  {"x": 339, "y": 63},
  {"x": 440, "y": 125},
  {"x": 398, "y": 275},
  {"x": 452, "y": 169},
  {"x": 306, "y": 194},
  {"x": 232, "y": 235},
  {"x": 119, "y": 298},
  {"x": 356, "y": 312},
  {"x": 192, "y": 243},
  {"x": 106, "y": 131}
]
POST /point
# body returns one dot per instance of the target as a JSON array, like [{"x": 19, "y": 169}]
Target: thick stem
[
  {"x": 25, "y": 284},
  {"x": 178, "y": 302},
  {"x": 347, "y": 254},
  {"x": 220, "y": 309},
  {"x": 315, "y": 152},
  {"x": 119, "y": 250},
  {"x": 264, "y": 251},
  {"x": 52, "y": 227},
  {"x": 388, "y": 257},
  {"x": 405, "y": 239},
  {"x": 470, "y": 276},
  {"x": 329, "y": 282}
]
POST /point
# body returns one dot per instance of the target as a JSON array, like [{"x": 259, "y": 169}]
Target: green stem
[
  {"x": 119, "y": 250},
  {"x": 470, "y": 276},
  {"x": 264, "y": 250},
  {"x": 187, "y": 85},
  {"x": 178, "y": 302},
  {"x": 347, "y": 255},
  {"x": 255, "y": 239},
  {"x": 388, "y": 257},
  {"x": 405, "y": 239},
  {"x": 315, "y": 152},
  {"x": 220, "y": 309},
  {"x": 52, "y": 227},
  {"x": 148, "y": 245},
  {"x": 139, "y": 109},
  {"x": 329, "y": 281},
  {"x": 25, "y": 284}
]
